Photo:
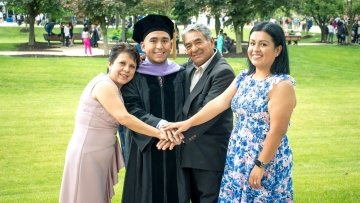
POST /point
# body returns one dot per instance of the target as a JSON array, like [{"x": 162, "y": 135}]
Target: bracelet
[{"x": 260, "y": 164}]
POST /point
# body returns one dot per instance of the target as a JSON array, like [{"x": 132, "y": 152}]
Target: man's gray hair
[{"x": 197, "y": 27}]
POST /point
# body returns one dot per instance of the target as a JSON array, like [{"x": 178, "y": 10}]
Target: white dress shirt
[{"x": 199, "y": 72}]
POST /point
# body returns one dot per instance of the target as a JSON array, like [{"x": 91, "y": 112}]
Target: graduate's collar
[{"x": 163, "y": 69}]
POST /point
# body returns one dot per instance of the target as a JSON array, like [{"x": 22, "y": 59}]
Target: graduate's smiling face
[{"x": 157, "y": 46}]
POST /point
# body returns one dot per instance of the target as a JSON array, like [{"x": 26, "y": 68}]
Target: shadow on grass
[{"x": 39, "y": 46}]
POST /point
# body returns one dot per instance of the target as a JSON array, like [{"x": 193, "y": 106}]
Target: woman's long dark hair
[{"x": 281, "y": 63}]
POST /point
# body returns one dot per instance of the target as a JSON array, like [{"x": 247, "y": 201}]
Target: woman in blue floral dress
[{"x": 259, "y": 158}]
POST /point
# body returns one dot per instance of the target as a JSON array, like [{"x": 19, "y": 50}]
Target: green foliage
[
  {"x": 183, "y": 10},
  {"x": 35, "y": 7},
  {"x": 159, "y": 6},
  {"x": 96, "y": 10},
  {"x": 321, "y": 8},
  {"x": 115, "y": 34},
  {"x": 321, "y": 11}
]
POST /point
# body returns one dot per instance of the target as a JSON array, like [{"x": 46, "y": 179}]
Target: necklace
[{"x": 260, "y": 79}]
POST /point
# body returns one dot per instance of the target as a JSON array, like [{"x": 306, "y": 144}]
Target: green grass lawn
[
  {"x": 39, "y": 97},
  {"x": 12, "y": 37}
]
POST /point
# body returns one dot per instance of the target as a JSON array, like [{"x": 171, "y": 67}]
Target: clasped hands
[{"x": 171, "y": 135}]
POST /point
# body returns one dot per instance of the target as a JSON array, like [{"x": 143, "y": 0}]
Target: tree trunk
[
  {"x": 323, "y": 26},
  {"x": 31, "y": 30},
  {"x": 123, "y": 28},
  {"x": 349, "y": 34},
  {"x": 117, "y": 19},
  {"x": 217, "y": 24},
  {"x": 105, "y": 38},
  {"x": 242, "y": 33},
  {"x": 238, "y": 37},
  {"x": 323, "y": 34},
  {"x": 135, "y": 19}
]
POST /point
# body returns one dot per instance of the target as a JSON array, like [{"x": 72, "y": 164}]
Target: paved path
[
  {"x": 58, "y": 50},
  {"x": 78, "y": 50}
]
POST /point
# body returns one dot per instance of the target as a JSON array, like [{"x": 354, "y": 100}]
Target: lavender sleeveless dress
[{"x": 93, "y": 157}]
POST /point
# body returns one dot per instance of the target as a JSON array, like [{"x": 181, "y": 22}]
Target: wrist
[
  {"x": 158, "y": 134},
  {"x": 260, "y": 164}
]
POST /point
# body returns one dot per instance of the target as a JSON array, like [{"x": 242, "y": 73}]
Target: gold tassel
[{"x": 174, "y": 43}]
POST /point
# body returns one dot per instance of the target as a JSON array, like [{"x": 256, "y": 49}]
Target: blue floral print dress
[{"x": 252, "y": 122}]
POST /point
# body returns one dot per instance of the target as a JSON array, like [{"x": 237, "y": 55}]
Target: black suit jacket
[{"x": 206, "y": 145}]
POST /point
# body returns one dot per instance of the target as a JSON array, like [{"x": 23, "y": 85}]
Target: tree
[
  {"x": 99, "y": 12},
  {"x": 322, "y": 11},
  {"x": 239, "y": 13},
  {"x": 352, "y": 11},
  {"x": 32, "y": 8},
  {"x": 183, "y": 10},
  {"x": 162, "y": 7},
  {"x": 215, "y": 7},
  {"x": 243, "y": 12}
]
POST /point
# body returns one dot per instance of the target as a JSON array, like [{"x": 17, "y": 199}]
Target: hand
[
  {"x": 255, "y": 177},
  {"x": 162, "y": 135},
  {"x": 170, "y": 135},
  {"x": 165, "y": 144},
  {"x": 179, "y": 126}
]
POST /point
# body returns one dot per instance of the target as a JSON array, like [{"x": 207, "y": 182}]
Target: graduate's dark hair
[
  {"x": 124, "y": 47},
  {"x": 281, "y": 63}
]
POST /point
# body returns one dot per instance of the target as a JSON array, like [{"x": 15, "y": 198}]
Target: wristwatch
[{"x": 260, "y": 164}]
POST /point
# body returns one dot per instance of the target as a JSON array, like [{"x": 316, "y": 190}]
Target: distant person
[
  {"x": 258, "y": 165},
  {"x": 71, "y": 31},
  {"x": 38, "y": 19},
  {"x": 1, "y": 17},
  {"x": 141, "y": 52},
  {"x": 86, "y": 22},
  {"x": 93, "y": 157},
  {"x": 309, "y": 24},
  {"x": 208, "y": 19},
  {"x": 49, "y": 26},
  {"x": 85, "y": 35},
  {"x": 62, "y": 33},
  {"x": 67, "y": 35},
  {"x": 354, "y": 32},
  {"x": 19, "y": 19},
  {"x": 331, "y": 29},
  {"x": 220, "y": 42},
  {"x": 94, "y": 36},
  {"x": 130, "y": 23},
  {"x": 341, "y": 32},
  {"x": 228, "y": 44}
]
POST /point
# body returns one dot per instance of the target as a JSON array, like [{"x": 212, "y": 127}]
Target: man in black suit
[{"x": 203, "y": 155}]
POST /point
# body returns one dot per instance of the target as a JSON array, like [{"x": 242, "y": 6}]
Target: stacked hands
[{"x": 171, "y": 135}]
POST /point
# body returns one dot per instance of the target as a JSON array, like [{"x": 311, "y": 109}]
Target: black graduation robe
[{"x": 152, "y": 98}]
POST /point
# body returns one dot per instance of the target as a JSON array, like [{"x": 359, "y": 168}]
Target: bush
[{"x": 116, "y": 35}]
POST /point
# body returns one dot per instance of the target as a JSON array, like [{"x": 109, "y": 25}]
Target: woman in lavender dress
[
  {"x": 259, "y": 159},
  {"x": 93, "y": 157}
]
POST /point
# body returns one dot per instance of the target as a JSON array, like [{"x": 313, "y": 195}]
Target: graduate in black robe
[{"x": 155, "y": 96}]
